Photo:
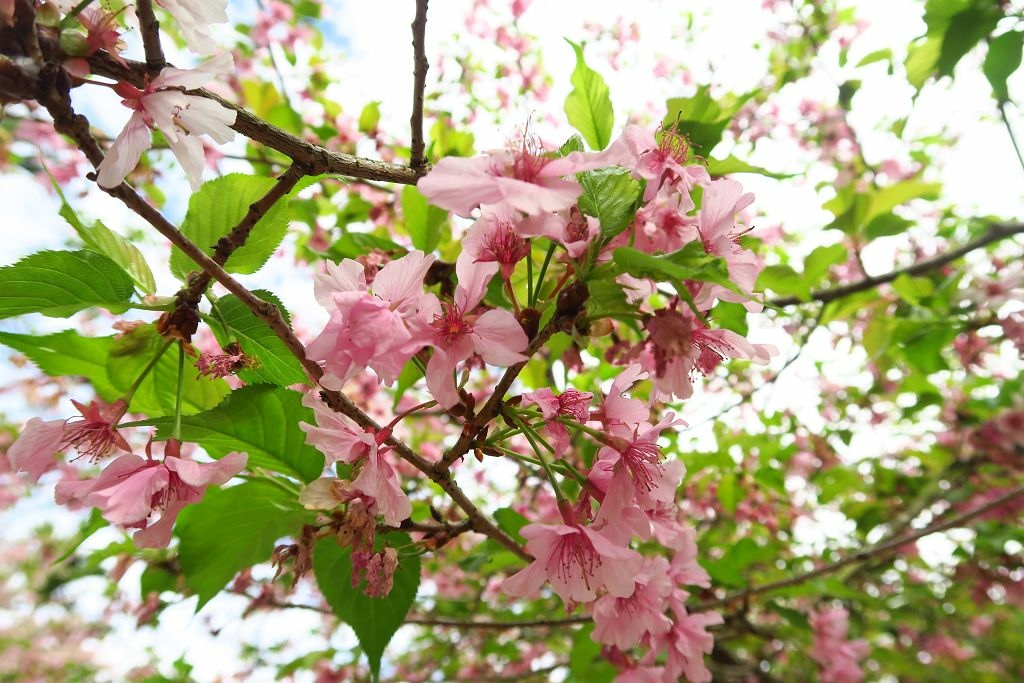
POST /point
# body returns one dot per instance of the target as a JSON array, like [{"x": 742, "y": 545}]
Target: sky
[{"x": 980, "y": 173}]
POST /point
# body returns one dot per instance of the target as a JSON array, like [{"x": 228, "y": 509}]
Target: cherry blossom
[
  {"x": 494, "y": 237},
  {"x": 458, "y": 332},
  {"x": 163, "y": 105},
  {"x": 622, "y": 622},
  {"x": 94, "y": 435},
  {"x": 194, "y": 19},
  {"x": 380, "y": 327},
  {"x": 716, "y": 224},
  {"x": 578, "y": 562},
  {"x": 659, "y": 162},
  {"x": 570, "y": 403},
  {"x": 839, "y": 658}
]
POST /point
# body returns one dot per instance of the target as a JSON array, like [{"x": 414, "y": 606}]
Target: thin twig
[
  {"x": 1009, "y": 130},
  {"x": 861, "y": 556},
  {"x": 995, "y": 233},
  {"x": 150, "y": 30},
  {"x": 420, "y": 66}
]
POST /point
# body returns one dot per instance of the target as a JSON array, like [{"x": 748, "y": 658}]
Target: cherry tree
[{"x": 515, "y": 424}]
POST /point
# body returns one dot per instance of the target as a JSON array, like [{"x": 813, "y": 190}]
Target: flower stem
[
  {"x": 404, "y": 414},
  {"x": 176, "y": 434},
  {"x": 127, "y": 398},
  {"x": 529, "y": 273},
  {"x": 596, "y": 433},
  {"x": 543, "y": 272},
  {"x": 529, "y": 434}
]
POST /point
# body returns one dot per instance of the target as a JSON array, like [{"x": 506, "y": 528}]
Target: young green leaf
[
  {"x": 60, "y": 283},
  {"x": 231, "y": 529},
  {"x": 423, "y": 221},
  {"x": 589, "y": 107},
  {"x": 217, "y": 208},
  {"x": 260, "y": 420},
  {"x": 1003, "y": 58},
  {"x": 375, "y": 620},
  {"x": 610, "y": 195}
]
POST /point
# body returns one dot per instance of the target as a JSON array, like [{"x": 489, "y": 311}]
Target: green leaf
[
  {"x": 423, "y": 221},
  {"x": 589, "y": 107},
  {"x": 913, "y": 289},
  {"x": 886, "y": 225},
  {"x": 275, "y": 363},
  {"x": 375, "y": 620},
  {"x": 1003, "y": 58},
  {"x": 730, "y": 164},
  {"x": 369, "y": 118},
  {"x": 573, "y": 144},
  {"x": 68, "y": 354},
  {"x": 60, "y": 283},
  {"x": 818, "y": 262},
  {"x": 260, "y": 420},
  {"x": 217, "y": 208},
  {"x": 921, "y": 59},
  {"x": 689, "y": 263},
  {"x": 966, "y": 29},
  {"x": 406, "y": 379},
  {"x": 234, "y": 528},
  {"x": 783, "y": 280},
  {"x": 103, "y": 240},
  {"x": 702, "y": 118},
  {"x": 610, "y": 195},
  {"x": 132, "y": 352},
  {"x": 885, "y": 54},
  {"x": 510, "y": 522},
  {"x": 888, "y": 198}
]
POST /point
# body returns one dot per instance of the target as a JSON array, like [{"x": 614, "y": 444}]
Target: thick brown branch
[
  {"x": 863, "y": 555},
  {"x": 317, "y": 159},
  {"x": 995, "y": 233},
  {"x": 420, "y": 66},
  {"x": 150, "y": 29}
]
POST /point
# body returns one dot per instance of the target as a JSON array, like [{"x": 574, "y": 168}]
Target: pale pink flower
[
  {"x": 687, "y": 642},
  {"x": 103, "y": 33},
  {"x": 525, "y": 176},
  {"x": 572, "y": 229},
  {"x": 194, "y": 19},
  {"x": 661, "y": 162},
  {"x": 636, "y": 452},
  {"x": 641, "y": 674},
  {"x": 662, "y": 224},
  {"x": 838, "y": 657},
  {"x": 131, "y": 488},
  {"x": 378, "y": 480},
  {"x": 623, "y": 622},
  {"x": 578, "y": 562},
  {"x": 495, "y": 237},
  {"x": 334, "y": 435},
  {"x": 458, "y": 332},
  {"x": 716, "y": 224},
  {"x": 570, "y": 403},
  {"x": 94, "y": 435},
  {"x": 679, "y": 346},
  {"x": 684, "y": 569},
  {"x": 163, "y": 105},
  {"x": 617, "y": 409},
  {"x": 381, "y": 328}
]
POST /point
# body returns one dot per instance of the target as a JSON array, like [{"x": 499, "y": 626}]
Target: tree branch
[
  {"x": 863, "y": 555},
  {"x": 995, "y": 233},
  {"x": 150, "y": 30},
  {"x": 420, "y": 66},
  {"x": 76, "y": 126},
  {"x": 317, "y": 159}
]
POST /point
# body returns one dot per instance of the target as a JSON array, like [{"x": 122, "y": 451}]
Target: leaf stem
[
  {"x": 127, "y": 398},
  {"x": 543, "y": 273},
  {"x": 176, "y": 434}
]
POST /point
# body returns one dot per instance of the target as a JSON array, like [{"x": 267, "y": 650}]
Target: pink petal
[
  {"x": 35, "y": 450},
  {"x": 498, "y": 338},
  {"x": 124, "y": 154}
]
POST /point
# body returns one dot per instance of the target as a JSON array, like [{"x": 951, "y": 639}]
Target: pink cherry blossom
[
  {"x": 578, "y": 562},
  {"x": 494, "y": 237},
  {"x": 334, "y": 435},
  {"x": 838, "y": 657},
  {"x": 381, "y": 328},
  {"x": 617, "y": 409},
  {"x": 194, "y": 19},
  {"x": 131, "y": 488},
  {"x": 662, "y": 224},
  {"x": 623, "y": 622},
  {"x": 660, "y": 162},
  {"x": 524, "y": 176},
  {"x": 458, "y": 332},
  {"x": 378, "y": 480},
  {"x": 716, "y": 224},
  {"x": 636, "y": 452},
  {"x": 686, "y": 643},
  {"x": 572, "y": 229},
  {"x": 570, "y": 403},
  {"x": 103, "y": 32},
  {"x": 684, "y": 569},
  {"x": 164, "y": 106},
  {"x": 94, "y": 435}
]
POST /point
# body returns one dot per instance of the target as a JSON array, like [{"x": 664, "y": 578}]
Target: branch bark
[
  {"x": 863, "y": 555},
  {"x": 995, "y": 233},
  {"x": 420, "y": 66},
  {"x": 150, "y": 30}
]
